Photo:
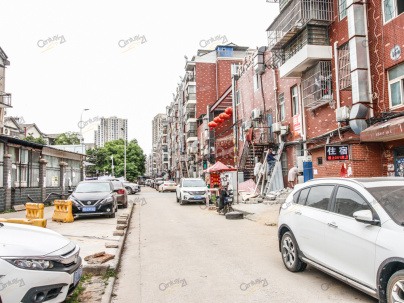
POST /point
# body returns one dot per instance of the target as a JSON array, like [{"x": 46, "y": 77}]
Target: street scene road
[{"x": 186, "y": 253}]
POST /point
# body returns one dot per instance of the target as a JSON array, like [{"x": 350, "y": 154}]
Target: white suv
[
  {"x": 352, "y": 229},
  {"x": 191, "y": 190}
]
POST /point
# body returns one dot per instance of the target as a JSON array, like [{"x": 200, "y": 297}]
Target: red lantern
[
  {"x": 213, "y": 124},
  {"x": 226, "y": 116},
  {"x": 217, "y": 120},
  {"x": 222, "y": 116},
  {"x": 220, "y": 120},
  {"x": 229, "y": 111}
]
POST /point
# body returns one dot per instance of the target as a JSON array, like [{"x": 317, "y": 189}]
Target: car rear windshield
[
  {"x": 391, "y": 198},
  {"x": 117, "y": 184},
  {"x": 194, "y": 183},
  {"x": 93, "y": 187}
]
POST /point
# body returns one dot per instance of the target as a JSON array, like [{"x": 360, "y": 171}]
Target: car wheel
[
  {"x": 395, "y": 287},
  {"x": 176, "y": 197},
  {"x": 125, "y": 205},
  {"x": 182, "y": 202},
  {"x": 290, "y": 254}
]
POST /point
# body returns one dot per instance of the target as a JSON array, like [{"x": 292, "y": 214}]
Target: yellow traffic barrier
[
  {"x": 63, "y": 211},
  {"x": 34, "y": 210},
  {"x": 34, "y": 222}
]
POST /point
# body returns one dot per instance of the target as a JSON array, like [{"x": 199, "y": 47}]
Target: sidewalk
[
  {"x": 90, "y": 234},
  {"x": 260, "y": 213}
]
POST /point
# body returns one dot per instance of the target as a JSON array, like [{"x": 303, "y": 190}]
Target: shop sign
[
  {"x": 297, "y": 128},
  {"x": 336, "y": 152}
]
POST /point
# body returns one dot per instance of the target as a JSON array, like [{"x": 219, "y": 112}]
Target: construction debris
[{"x": 99, "y": 258}]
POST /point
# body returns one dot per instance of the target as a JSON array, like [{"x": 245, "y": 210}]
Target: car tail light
[{"x": 121, "y": 191}]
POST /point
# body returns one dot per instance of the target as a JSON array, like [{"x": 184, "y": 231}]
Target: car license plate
[
  {"x": 88, "y": 208},
  {"x": 197, "y": 197},
  {"x": 77, "y": 275}
]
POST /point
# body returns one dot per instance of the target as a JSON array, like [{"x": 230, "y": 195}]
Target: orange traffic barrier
[
  {"x": 34, "y": 222},
  {"x": 34, "y": 210},
  {"x": 63, "y": 211}
]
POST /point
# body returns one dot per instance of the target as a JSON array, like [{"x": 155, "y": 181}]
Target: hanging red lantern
[
  {"x": 210, "y": 124},
  {"x": 213, "y": 124},
  {"x": 222, "y": 116},
  {"x": 220, "y": 120},
  {"x": 226, "y": 116},
  {"x": 229, "y": 111},
  {"x": 217, "y": 120}
]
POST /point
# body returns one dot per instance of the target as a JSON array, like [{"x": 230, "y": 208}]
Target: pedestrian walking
[{"x": 292, "y": 176}]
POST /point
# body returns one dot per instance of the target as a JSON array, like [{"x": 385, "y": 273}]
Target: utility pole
[
  {"x": 124, "y": 139},
  {"x": 112, "y": 165}
]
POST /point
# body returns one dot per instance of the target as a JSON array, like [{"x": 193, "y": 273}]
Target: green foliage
[
  {"x": 108, "y": 274},
  {"x": 30, "y": 138},
  {"x": 68, "y": 138},
  {"x": 135, "y": 159}
]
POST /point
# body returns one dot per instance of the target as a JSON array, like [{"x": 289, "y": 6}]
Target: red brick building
[{"x": 331, "y": 86}]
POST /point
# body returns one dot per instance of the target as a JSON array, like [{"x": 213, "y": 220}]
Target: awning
[
  {"x": 219, "y": 166},
  {"x": 384, "y": 132}
]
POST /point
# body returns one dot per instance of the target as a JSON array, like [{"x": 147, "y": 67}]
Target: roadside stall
[{"x": 216, "y": 175}]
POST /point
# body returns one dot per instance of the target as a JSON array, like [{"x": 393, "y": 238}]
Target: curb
[{"x": 107, "y": 296}]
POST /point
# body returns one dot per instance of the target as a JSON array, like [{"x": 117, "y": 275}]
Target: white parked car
[
  {"x": 352, "y": 229},
  {"x": 168, "y": 186},
  {"x": 131, "y": 188},
  {"x": 36, "y": 264},
  {"x": 191, "y": 190}
]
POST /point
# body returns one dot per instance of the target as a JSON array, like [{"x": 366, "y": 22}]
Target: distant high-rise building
[
  {"x": 110, "y": 129},
  {"x": 157, "y": 125}
]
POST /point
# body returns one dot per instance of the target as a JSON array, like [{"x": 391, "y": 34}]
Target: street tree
[
  {"x": 68, "y": 138},
  {"x": 135, "y": 159},
  {"x": 39, "y": 140}
]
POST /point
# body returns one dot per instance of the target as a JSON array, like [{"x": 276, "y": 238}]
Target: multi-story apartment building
[
  {"x": 157, "y": 126},
  {"x": 330, "y": 85},
  {"x": 111, "y": 129},
  {"x": 5, "y": 98}
]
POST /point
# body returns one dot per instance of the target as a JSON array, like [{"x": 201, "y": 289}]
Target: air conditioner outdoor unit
[
  {"x": 300, "y": 161},
  {"x": 342, "y": 113},
  {"x": 5, "y": 131},
  {"x": 285, "y": 129},
  {"x": 276, "y": 127},
  {"x": 256, "y": 113}
]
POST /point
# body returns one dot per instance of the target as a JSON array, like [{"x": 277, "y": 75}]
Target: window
[
  {"x": 396, "y": 85},
  {"x": 256, "y": 82},
  {"x": 348, "y": 201},
  {"x": 234, "y": 68},
  {"x": 295, "y": 102},
  {"x": 319, "y": 161},
  {"x": 342, "y": 9},
  {"x": 238, "y": 97},
  {"x": 282, "y": 106},
  {"x": 392, "y": 8},
  {"x": 319, "y": 196},
  {"x": 303, "y": 196},
  {"x": 344, "y": 67},
  {"x": 284, "y": 163}
]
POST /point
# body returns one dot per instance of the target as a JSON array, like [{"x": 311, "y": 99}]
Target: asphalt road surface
[{"x": 177, "y": 253}]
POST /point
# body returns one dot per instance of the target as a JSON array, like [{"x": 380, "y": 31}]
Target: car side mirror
[
  {"x": 365, "y": 216},
  {"x": 70, "y": 191}
]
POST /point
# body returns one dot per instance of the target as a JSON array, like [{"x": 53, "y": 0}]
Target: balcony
[
  {"x": 191, "y": 135},
  {"x": 317, "y": 85},
  {"x": 5, "y": 100},
  {"x": 190, "y": 77},
  {"x": 294, "y": 16},
  {"x": 305, "y": 50}
]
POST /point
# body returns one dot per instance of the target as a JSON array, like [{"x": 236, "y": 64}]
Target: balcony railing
[
  {"x": 190, "y": 77},
  {"x": 5, "y": 100},
  {"x": 190, "y": 115},
  {"x": 192, "y": 133},
  {"x": 191, "y": 96},
  {"x": 296, "y": 15}
]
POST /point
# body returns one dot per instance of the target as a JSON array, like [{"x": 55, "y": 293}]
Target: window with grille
[
  {"x": 237, "y": 97},
  {"x": 284, "y": 163},
  {"x": 344, "y": 67},
  {"x": 282, "y": 105},
  {"x": 256, "y": 82},
  {"x": 317, "y": 85},
  {"x": 342, "y": 9},
  {"x": 392, "y": 9}
]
